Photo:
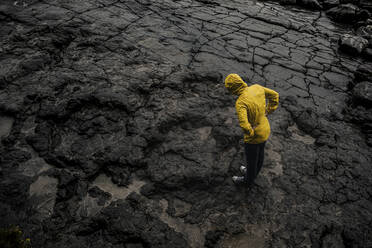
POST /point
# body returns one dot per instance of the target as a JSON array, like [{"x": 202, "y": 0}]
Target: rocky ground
[{"x": 116, "y": 129}]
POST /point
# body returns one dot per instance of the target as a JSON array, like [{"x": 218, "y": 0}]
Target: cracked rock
[{"x": 117, "y": 130}]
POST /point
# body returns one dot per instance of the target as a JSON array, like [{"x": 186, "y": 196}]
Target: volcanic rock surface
[{"x": 116, "y": 129}]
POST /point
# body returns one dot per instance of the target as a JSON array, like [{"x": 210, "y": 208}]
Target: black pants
[{"x": 255, "y": 157}]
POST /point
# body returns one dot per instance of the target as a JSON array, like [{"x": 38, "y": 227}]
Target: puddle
[
  {"x": 296, "y": 134},
  {"x": 104, "y": 182},
  {"x": 89, "y": 205},
  {"x": 204, "y": 132},
  {"x": 244, "y": 241},
  {"x": 255, "y": 237},
  {"x": 193, "y": 233},
  {"x": 34, "y": 167},
  {"x": 29, "y": 126},
  {"x": 43, "y": 194},
  {"x": 6, "y": 124}
]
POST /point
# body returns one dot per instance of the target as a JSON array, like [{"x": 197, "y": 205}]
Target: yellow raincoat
[{"x": 252, "y": 109}]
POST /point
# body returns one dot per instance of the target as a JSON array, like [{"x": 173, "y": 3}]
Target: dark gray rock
[
  {"x": 362, "y": 94},
  {"x": 352, "y": 44},
  {"x": 345, "y": 13}
]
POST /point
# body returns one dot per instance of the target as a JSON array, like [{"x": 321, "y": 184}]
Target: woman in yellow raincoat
[{"x": 252, "y": 109}]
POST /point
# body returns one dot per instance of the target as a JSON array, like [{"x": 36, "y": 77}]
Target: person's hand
[{"x": 246, "y": 132}]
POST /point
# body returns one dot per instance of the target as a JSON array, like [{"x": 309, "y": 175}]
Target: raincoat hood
[{"x": 235, "y": 84}]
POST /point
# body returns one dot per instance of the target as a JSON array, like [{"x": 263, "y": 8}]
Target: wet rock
[
  {"x": 43, "y": 193},
  {"x": 346, "y": 13},
  {"x": 352, "y": 44},
  {"x": 362, "y": 94}
]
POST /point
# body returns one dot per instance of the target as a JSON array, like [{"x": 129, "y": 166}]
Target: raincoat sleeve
[
  {"x": 241, "y": 110},
  {"x": 273, "y": 100}
]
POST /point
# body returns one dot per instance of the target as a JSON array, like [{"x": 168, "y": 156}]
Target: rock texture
[
  {"x": 116, "y": 129},
  {"x": 356, "y": 13},
  {"x": 353, "y": 44}
]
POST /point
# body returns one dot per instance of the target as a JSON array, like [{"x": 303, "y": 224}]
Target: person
[{"x": 252, "y": 110}]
